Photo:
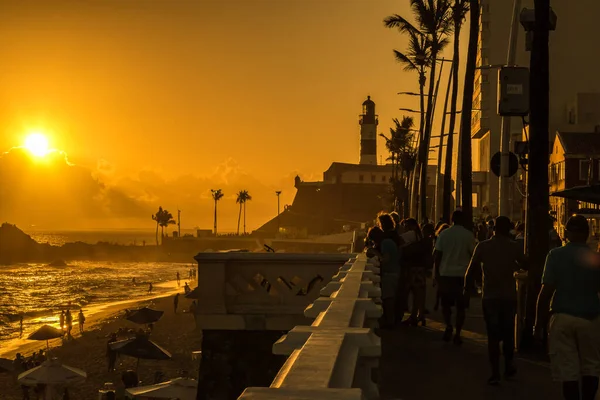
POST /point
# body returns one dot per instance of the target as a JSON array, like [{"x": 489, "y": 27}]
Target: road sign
[{"x": 513, "y": 164}]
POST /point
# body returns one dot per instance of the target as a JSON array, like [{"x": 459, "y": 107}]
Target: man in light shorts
[{"x": 572, "y": 275}]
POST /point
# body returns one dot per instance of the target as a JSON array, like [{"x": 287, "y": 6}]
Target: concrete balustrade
[{"x": 335, "y": 356}]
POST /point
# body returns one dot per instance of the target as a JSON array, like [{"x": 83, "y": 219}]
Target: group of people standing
[
  {"x": 66, "y": 321},
  {"x": 458, "y": 258}
]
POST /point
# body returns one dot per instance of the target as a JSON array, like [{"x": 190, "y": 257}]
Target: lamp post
[{"x": 278, "y": 193}]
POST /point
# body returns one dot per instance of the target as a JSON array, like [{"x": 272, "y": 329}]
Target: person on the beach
[
  {"x": 175, "y": 302},
  {"x": 41, "y": 357},
  {"x": 150, "y": 287},
  {"x": 61, "y": 320},
  {"x": 133, "y": 280},
  {"x": 178, "y": 279},
  {"x": 186, "y": 288},
  {"x": 110, "y": 353},
  {"x": 69, "y": 321},
  {"x": 81, "y": 319},
  {"x": 21, "y": 325}
]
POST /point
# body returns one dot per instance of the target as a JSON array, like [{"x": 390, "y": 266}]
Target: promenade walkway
[{"x": 417, "y": 364}]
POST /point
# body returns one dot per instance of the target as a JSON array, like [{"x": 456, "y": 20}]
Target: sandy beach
[{"x": 174, "y": 331}]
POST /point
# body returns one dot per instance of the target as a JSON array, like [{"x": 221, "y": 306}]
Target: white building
[{"x": 574, "y": 87}]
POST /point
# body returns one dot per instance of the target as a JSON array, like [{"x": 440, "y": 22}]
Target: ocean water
[{"x": 40, "y": 292}]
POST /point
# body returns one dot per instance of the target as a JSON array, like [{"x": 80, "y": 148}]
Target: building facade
[{"x": 574, "y": 93}]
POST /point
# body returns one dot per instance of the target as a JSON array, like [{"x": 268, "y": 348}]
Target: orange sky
[{"x": 270, "y": 87}]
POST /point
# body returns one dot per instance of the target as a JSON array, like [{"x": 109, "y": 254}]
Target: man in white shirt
[{"x": 453, "y": 250}]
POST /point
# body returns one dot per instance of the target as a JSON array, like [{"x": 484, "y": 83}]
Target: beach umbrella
[
  {"x": 144, "y": 315},
  {"x": 46, "y": 333},
  {"x": 7, "y": 365},
  {"x": 52, "y": 372},
  {"x": 178, "y": 388},
  {"x": 140, "y": 347}
]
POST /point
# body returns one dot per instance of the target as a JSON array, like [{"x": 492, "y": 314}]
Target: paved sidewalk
[{"x": 416, "y": 365}]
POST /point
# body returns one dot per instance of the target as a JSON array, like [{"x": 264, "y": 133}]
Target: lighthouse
[{"x": 368, "y": 133}]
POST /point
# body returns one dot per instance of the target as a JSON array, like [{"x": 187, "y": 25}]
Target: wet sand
[{"x": 174, "y": 332}]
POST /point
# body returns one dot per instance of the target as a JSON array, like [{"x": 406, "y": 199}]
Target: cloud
[{"x": 52, "y": 193}]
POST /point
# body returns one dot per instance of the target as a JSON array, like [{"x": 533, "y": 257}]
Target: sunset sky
[{"x": 230, "y": 93}]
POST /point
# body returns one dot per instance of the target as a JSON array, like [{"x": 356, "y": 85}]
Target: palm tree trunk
[
  {"x": 414, "y": 201},
  {"x": 215, "y": 220},
  {"x": 239, "y": 217},
  {"x": 244, "y": 218},
  {"x": 157, "y": 233},
  {"x": 438, "y": 198},
  {"x": 465, "y": 128},
  {"x": 426, "y": 139},
  {"x": 450, "y": 145},
  {"x": 162, "y": 234}
]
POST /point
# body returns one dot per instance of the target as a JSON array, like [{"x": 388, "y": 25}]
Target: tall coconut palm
[
  {"x": 242, "y": 197},
  {"x": 398, "y": 144},
  {"x": 467, "y": 106},
  {"x": 417, "y": 58},
  {"x": 433, "y": 22},
  {"x": 165, "y": 219},
  {"x": 459, "y": 11},
  {"x": 157, "y": 217},
  {"x": 217, "y": 194},
  {"x": 247, "y": 198}
]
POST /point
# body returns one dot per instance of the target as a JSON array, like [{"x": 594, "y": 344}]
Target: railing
[
  {"x": 334, "y": 357},
  {"x": 264, "y": 291}
]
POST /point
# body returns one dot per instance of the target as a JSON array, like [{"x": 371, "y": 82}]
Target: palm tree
[
  {"x": 416, "y": 58},
  {"x": 465, "y": 121},
  {"x": 217, "y": 194},
  {"x": 242, "y": 197},
  {"x": 157, "y": 217},
  {"x": 459, "y": 11},
  {"x": 166, "y": 219},
  {"x": 433, "y": 20},
  {"x": 247, "y": 198},
  {"x": 399, "y": 143}
]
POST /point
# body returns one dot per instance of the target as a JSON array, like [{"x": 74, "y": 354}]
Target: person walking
[
  {"x": 178, "y": 279},
  {"x": 453, "y": 250},
  {"x": 494, "y": 262},
  {"x": 150, "y": 287},
  {"x": 81, "y": 320},
  {"x": 390, "y": 268},
  {"x": 61, "y": 320},
  {"x": 69, "y": 322},
  {"x": 175, "y": 302},
  {"x": 111, "y": 355},
  {"x": 570, "y": 282}
]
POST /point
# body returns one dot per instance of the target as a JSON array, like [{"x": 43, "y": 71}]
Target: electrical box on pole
[{"x": 513, "y": 92}]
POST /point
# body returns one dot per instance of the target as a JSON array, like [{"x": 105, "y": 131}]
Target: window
[
  {"x": 584, "y": 169},
  {"x": 384, "y": 179},
  {"x": 373, "y": 177},
  {"x": 361, "y": 178}
]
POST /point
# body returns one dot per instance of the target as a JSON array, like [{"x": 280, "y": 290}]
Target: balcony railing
[{"x": 335, "y": 356}]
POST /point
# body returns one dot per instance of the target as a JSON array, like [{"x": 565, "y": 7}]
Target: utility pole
[
  {"x": 503, "y": 181},
  {"x": 278, "y": 193},
  {"x": 538, "y": 203},
  {"x": 178, "y": 222}
]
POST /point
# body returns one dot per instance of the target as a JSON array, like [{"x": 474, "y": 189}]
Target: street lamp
[{"x": 277, "y": 193}]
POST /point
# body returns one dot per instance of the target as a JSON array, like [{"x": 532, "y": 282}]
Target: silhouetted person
[
  {"x": 21, "y": 325},
  {"x": 69, "y": 321},
  {"x": 61, "y": 320},
  {"x": 178, "y": 279},
  {"x": 453, "y": 250},
  {"x": 390, "y": 268},
  {"x": 175, "y": 302},
  {"x": 187, "y": 288},
  {"x": 571, "y": 280},
  {"x": 150, "y": 287},
  {"x": 81, "y": 321},
  {"x": 494, "y": 262},
  {"x": 111, "y": 355}
]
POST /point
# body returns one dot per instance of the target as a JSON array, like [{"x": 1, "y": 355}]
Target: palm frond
[{"x": 409, "y": 65}]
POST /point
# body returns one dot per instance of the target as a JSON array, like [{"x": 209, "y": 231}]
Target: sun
[{"x": 37, "y": 144}]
